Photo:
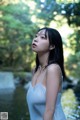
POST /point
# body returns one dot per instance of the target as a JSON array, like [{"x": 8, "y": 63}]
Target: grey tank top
[{"x": 36, "y": 100}]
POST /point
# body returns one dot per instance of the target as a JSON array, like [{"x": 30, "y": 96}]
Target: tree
[
  {"x": 72, "y": 15},
  {"x": 16, "y": 37},
  {"x": 16, "y": 34}
]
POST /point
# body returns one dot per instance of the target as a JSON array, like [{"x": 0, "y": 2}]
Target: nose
[{"x": 35, "y": 40}]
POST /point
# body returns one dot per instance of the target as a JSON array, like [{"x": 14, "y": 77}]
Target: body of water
[{"x": 14, "y": 103}]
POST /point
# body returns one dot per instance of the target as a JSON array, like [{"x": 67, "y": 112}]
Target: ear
[{"x": 52, "y": 47}]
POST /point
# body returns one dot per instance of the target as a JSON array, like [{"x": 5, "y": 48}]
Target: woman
[{"x": 44, "y": 93}]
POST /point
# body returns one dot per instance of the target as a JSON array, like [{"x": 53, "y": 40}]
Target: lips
[{"x": 34, "y": 45}]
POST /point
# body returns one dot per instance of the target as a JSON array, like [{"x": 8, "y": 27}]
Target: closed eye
[{"x": 43, "y": 37}]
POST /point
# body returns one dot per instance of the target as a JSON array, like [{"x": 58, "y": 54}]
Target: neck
[{"x": 43, "y": 59}]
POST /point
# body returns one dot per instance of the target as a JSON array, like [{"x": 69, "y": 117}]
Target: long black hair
[{"x": 56, "y": 54}]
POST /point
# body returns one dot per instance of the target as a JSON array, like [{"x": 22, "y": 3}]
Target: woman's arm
[{"x": 52, "y": 88}]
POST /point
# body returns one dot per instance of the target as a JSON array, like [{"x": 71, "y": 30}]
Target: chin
[{"x": 34, "y": 50}]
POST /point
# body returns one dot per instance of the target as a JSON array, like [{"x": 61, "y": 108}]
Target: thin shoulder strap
[{"x": 43, "y": 75}]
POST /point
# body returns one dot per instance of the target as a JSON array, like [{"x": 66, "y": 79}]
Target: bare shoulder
[
  {"x": 53, "y": 74},
  {"x": 54, "y": 68}
]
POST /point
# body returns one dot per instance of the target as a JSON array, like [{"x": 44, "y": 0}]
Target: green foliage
[
  {"x": 17, "y": 28},
  {"x": 16, "y": 36},
  {"x": 73, "y": 61},
  {"x": 71, "y": 12},
  {"x": 73, "y": 65},
  {"x": 68, "y": 102}
]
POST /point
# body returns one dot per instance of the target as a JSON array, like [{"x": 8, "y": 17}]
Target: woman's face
[{"x": 40, "y": 43}]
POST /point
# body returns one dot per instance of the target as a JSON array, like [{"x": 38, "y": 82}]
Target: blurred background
[{"x": 19, "y": 21}]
